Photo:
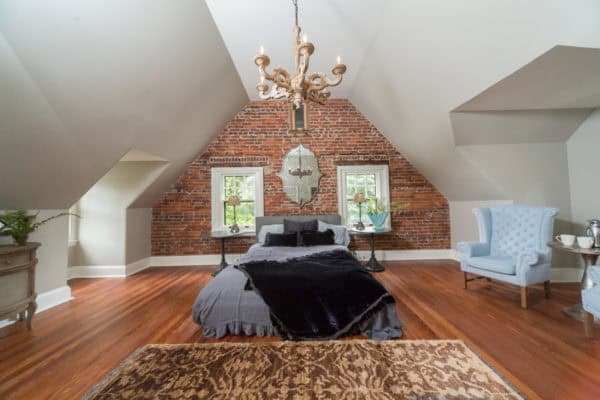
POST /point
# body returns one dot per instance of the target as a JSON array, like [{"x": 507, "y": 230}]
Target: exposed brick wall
[{"x": 258, "y": 136}]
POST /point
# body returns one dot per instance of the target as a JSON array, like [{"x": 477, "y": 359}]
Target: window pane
[
  {"x": 242, "y": 186},
  {"x": 360, "y": 183},
  {"x": 244, "y": 213},
  {"x": 249, "y": 192}
]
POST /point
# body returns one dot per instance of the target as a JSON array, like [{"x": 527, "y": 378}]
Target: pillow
[
  {"x": 341, "y": 235},
  {"x": 275, "y": 228},
  {"x": 281, "y": 239},
  {"x": 291, "y": 226},
  {"x": 316, "y": 238}
]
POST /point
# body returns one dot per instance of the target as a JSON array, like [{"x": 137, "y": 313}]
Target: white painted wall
[
  {"x": 584, "y": 171},
  {"x": 83, "y": 82},
  {"x": 51, "y": 271},
  {"x": 138, "y": 228},
  {"x": 430, "y": 56},
  {"x": 103, "y": 227},
  {"x": 463, "y": 225}
]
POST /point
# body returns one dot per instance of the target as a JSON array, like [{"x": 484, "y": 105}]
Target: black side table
[
  {"x": 222, "y": 235},
  {"x": 372, "y": 265}
]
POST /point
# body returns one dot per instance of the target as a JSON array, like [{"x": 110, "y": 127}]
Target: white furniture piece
[{"x": 512, "y": 247}]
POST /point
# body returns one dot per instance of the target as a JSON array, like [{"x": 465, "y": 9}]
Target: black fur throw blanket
[{"x": 320, "y": 296}]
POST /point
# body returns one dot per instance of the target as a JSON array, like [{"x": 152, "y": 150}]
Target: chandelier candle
[{"x": 300, "y": 87}]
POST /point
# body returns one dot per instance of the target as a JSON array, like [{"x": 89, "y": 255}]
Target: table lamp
[
  {"x": 360, "y": 198},
  {"x": 234, "y": 201}
]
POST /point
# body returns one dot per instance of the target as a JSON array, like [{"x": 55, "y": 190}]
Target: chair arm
[
  {"x": 473, "y": 249},
  {"x": 594, "y": 274},
  {"x": 532, "y": 258}
]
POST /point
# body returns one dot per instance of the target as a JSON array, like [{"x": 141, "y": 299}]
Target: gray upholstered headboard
[{"x": 278, "y": 219}]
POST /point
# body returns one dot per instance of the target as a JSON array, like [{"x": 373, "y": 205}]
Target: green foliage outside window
[{"x": 244, "y": 187}]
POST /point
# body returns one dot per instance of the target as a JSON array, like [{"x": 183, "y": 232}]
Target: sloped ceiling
[
  {"x": 431, "y": 56},
  {"x": 83, "y": 82},
  {"x": 342, "y": 28},
  {"x": 516, "y": 126},
  {"x": 564, "y": 77}
]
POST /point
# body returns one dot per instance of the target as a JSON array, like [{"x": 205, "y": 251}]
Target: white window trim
[
  {"x": 217, "y": 189},
  {"x": 382, "y": 179}
]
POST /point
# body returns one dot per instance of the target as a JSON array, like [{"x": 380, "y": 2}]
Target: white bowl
[{"x": 585, "y": 242}]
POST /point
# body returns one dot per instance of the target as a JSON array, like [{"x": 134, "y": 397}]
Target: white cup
[
  {"x": 585, "y": 242},
  {"x": 567, "y": 240}
]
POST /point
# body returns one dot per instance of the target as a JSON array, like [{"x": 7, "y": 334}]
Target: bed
[{"x": 230, "y": 305}]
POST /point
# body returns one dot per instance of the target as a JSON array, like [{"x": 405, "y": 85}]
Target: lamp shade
[
  {"x": 233, "y": 201},
  {"x": 359, "y": 197}
]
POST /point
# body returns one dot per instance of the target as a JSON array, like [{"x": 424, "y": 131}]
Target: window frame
[
  {"x": 217, "y": 189},
  {"x": 382, "y": 186}
]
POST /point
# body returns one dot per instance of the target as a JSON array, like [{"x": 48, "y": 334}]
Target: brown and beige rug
[{"x": 350, "y": 369}]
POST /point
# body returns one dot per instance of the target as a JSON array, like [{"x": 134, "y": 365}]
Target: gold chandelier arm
[
  {"x": 319, "y": 81},
  {"x": 281, "y": 78},
  {"x": 318, "y": 96},
  {"x": 274, "y": 93}
]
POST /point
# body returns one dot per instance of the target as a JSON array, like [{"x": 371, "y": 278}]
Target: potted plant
[
  {"x": 380, "y": 211},
  {"x": 18, "y": 224}
]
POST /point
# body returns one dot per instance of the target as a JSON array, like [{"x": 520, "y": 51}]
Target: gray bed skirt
[{"x": 223, "y": 307}]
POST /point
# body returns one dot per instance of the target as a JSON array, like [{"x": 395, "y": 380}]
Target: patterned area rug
[{"x": 350, "y": 369}]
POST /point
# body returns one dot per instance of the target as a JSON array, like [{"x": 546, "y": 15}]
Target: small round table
[
  {"x": 589, "y": 256},
  {"x": 225, "y": 235},
  {"x": 372, "y": 265}
]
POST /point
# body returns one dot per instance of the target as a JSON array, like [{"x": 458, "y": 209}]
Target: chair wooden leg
[
  {"x": 547, "y": 292},
  {"x": 524, "y": 297},
  {"x": 465, "y": 275},
  {"x": 588, "y": 324}
]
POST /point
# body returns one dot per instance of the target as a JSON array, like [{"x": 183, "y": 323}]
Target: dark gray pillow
[
  {"x": 316, "y": 238},
  {"x": 291, "y": 226},
  {"x": 281, "y": 239}
]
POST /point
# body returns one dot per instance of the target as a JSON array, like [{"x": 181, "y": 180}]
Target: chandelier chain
[{"x": 295, "y": 3}]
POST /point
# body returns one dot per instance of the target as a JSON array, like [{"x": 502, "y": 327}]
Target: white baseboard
[
  {"x": 53, "y": 298},
  {"x": 97, "y": 271},
  {"x": 204, "y": 260},
  {"x": 137, "y": 266},
  {"x": 186, "y": 261},
  {"x": 402, "y": 255},
  {"x": 47, "y": 300},
  {"x": 109, "y": 271}
]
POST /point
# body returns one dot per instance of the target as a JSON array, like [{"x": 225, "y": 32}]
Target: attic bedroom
[{"x": 299, "y": 199}]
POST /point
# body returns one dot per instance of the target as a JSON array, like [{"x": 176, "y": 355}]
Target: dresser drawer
[{"x": 14, "y": 259}]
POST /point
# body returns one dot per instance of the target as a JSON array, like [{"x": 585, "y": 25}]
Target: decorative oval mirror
[{"x": 300, "y": 175}]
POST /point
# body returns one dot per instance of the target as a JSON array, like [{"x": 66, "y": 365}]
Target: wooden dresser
[{"x": 17, "y": 281}]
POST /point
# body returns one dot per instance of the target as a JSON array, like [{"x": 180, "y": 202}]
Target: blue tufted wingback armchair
[
  {"x": 512, "y": 246},
  {"x": 591, "y": 301}
]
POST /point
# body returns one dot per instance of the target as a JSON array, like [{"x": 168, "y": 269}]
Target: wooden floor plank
[{"x": 73, "y": 346}]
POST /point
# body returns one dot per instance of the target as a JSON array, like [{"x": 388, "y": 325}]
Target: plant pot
[
  {"x": 21, "y": 240},
  {"x": 378, "y": 219}
]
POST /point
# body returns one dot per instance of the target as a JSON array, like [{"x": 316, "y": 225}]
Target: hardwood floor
[{"x": 73, "y": 346}]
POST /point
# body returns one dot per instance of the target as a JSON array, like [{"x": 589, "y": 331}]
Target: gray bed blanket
[{"x": 224, "y": 307}]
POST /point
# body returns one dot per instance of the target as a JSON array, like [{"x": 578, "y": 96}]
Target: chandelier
[{"x": 300, "y": 87}]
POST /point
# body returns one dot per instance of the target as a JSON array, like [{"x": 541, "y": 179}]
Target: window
[
  {"x": 371, "y": 180},
  {"x": 247, "y": 184}
]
